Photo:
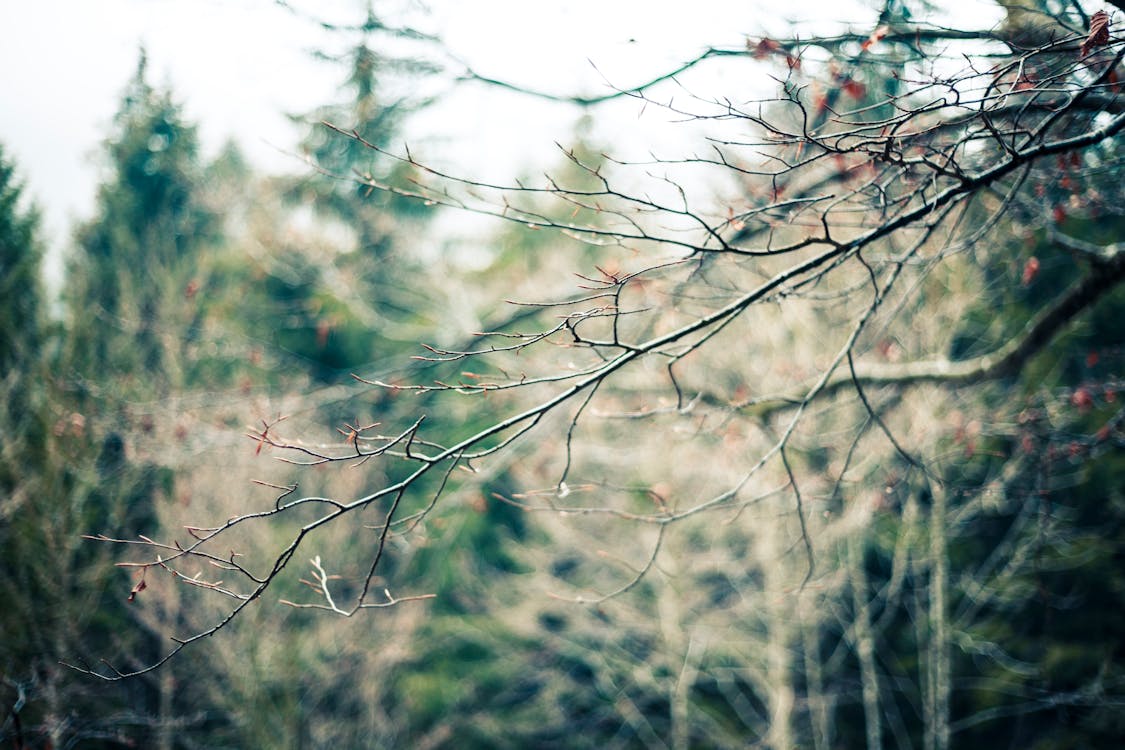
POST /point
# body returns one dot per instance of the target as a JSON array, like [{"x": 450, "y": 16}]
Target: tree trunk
[
  {"x": 938, "y": 671},
  {"x": 865, "y": 645}
]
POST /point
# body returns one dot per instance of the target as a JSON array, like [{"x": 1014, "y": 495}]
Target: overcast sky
[{"x": 239, "y": 65}]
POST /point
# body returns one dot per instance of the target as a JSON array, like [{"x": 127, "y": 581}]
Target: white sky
[{"x": 239, "y": 65}]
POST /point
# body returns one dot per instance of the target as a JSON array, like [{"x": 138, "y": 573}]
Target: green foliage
[
  {"x": 64, "y": 599},
  {"x": 340, "y": 136},
  {"x": 21, "y": 330},
  {"x": 135, "y": 260},
  {"x": 21, "y": 296}
]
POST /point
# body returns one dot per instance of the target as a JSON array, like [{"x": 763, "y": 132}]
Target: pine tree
[
  {"x": 58, "y": 588},
  {"x": 21, "y": 296},
  {"x": 135, "y": 258},
  {"x": 362, "y": 305}
]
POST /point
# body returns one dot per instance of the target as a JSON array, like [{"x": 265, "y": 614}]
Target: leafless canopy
[{"x": 881, "y": 158}]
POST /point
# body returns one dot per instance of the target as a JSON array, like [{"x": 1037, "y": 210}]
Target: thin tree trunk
[
  {"x": 938, "y": 673},
  {"x": 681, "y": 695},
  {"x": 865, "y": 645},
  {"x": 166, "y": 687},
  {"x": 819, "y": 717},
  {"x": 780, "y": 646},
  {"x": 780, "y": 643}
]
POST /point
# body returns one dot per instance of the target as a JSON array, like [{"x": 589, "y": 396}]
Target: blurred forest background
[{"x": 922, "y": 563}]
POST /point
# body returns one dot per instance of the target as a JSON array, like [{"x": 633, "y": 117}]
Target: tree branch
[{"x": 1004, "y": 362}]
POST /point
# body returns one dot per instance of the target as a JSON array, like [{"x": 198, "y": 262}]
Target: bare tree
[{"x": 774, "y": 334}]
